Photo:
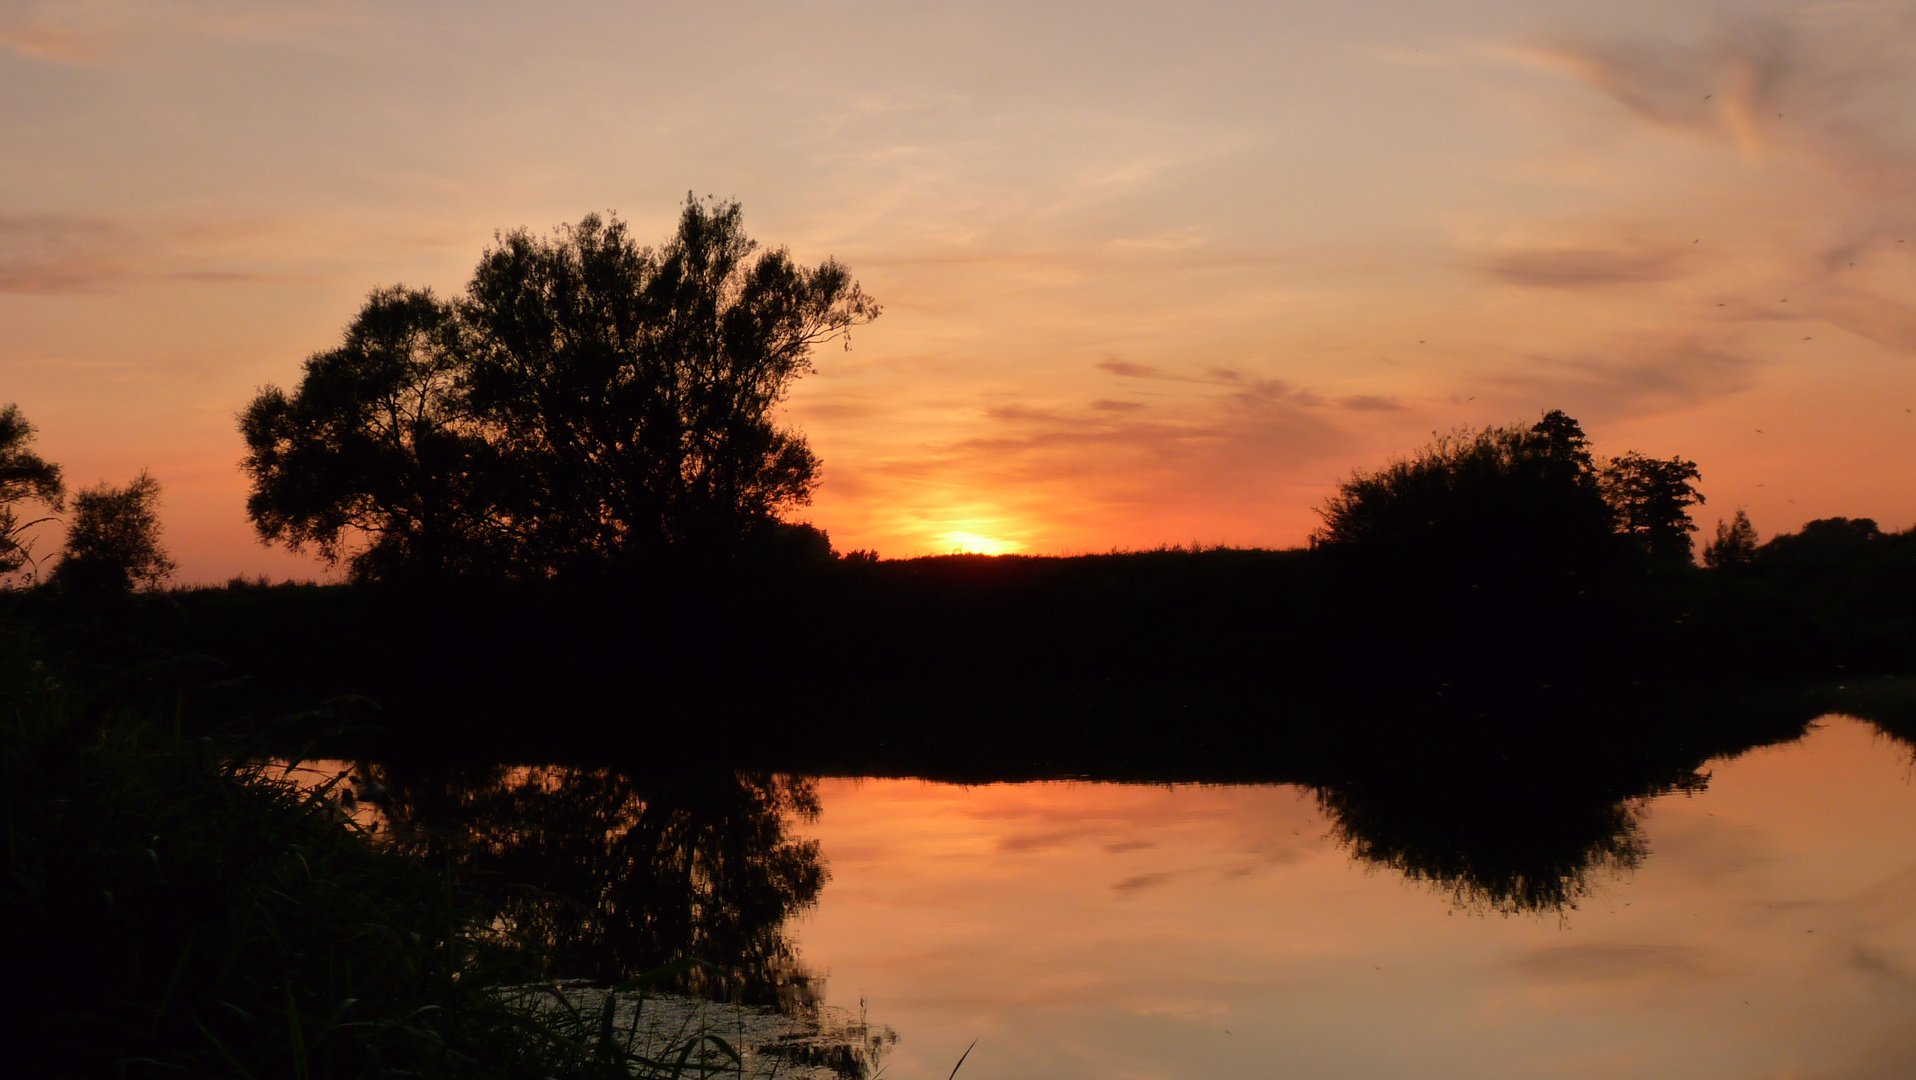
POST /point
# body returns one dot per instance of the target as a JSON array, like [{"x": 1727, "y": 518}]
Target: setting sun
[{"x": 959, "y": 542}]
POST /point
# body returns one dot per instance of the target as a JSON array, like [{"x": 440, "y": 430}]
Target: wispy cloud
[
  {"x": 1634, "y": 375},
  {"x": 48, "y": 40},
  {"x": 1232, "y": 441},
  {"x": 1824, "y": 82},
  {"x": 60, "y": 254},
  {"x": 1370, "y": 403},
  {"x": 56, "y": 254},
  {"x": 1128, "y": 370},
  {"x": 90, "y": 31},
  {"x": 1579, "y": 267}
]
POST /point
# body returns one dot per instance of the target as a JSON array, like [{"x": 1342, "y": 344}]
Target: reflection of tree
[
  {"x": 611, "y": 877},
  {"x": 1512, "y": 841}
]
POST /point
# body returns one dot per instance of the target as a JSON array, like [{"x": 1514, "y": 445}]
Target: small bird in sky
[
  {"x": 1759, "y": 431},
  {"x": 1707, "y": 97}
]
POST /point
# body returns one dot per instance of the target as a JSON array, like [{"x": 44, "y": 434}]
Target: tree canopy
[
  {"x": 1512, "y": 546},
  {"x": 1515, "y": 495},
  {"x": 378, "y": 446},
  {"x": 1652, "y": 498},
  {"x": 113, "y": 540},
  {"x": 1500, "y": 495},
  {"x": 1734, "y": 545},
  {"x": 587, "y": 401},
  {"x": 24, "y": 477}
]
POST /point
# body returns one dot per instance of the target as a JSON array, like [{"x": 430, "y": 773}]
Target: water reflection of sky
[{"x": 1101, "y": 930}]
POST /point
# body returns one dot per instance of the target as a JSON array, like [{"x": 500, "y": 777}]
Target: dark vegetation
[
  {"x": 587, "y": 403},
  {"x": 562, "y": 500},
  {"x": 175, "y": 907}
]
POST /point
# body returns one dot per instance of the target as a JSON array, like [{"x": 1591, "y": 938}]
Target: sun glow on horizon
[{"x": 962, "y": 542}]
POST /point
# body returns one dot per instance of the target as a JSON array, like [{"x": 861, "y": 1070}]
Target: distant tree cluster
[
  {"x": 1517, "y": 495},
  {"x": 1734, "y": 544},
  {"x": 587, "y": 401},
  {"x": 113, "y": 534}
]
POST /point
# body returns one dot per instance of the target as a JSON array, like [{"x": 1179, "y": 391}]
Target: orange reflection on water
[{"x": 1101, "y": 930}]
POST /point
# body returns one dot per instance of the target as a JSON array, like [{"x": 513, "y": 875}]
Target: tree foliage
[
  {"x": 1652, "y": 499},
  {"x": 378, "y": 445},
  {"x": 113, "y": 539},
  {"x": 1516, "y": 496},
  {"x": 1500, "y": 494},
  {"x": 589, "y": 400},
  {"x": 25, "y": 477},
  {"x": 1734, "y": 545}
]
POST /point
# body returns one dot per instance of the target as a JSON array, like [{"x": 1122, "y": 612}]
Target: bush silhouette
[
  {"x": 113, "y": 540},
  {"x": 1501, "y": 504},
  {"x": 1510, "y": 549}
]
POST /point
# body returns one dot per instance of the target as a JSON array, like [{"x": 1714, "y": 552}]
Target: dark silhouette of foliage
[
  {"x": 608, "y": 876},
  {"x": 1474, "y": 545},
  {"x": 377, "y": 447},
  {"x": 24, "y": 477},
  {"x": 113, "y": 540},
  {"x": 1472, "y": 496},
  {"x": 1734, "y": 545},
  {"x": 633, "y": 388},
  {"x": 1651, "y": 498},
  {"x": 1510, "y": 845},
  {"x": 589, "y": 401}
]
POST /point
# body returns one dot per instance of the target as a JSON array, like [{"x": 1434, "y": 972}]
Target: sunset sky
[{"x": 1151, "y": 273}]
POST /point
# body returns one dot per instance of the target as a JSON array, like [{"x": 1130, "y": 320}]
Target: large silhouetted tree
[
  {"x": 589, "y": 401},
  {"x": 633, "y": 388},
  {"x": 25, "y": 477}
]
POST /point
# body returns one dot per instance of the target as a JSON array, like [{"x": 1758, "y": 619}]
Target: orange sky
[{"x": 1152, "y": 273}]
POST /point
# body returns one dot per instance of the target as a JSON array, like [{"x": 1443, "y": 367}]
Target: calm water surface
[
  {"x": 1762, "y": 925},
  {"x": 1768, "y": 929}
]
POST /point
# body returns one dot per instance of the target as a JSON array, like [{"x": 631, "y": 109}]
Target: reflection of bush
[
  {"x": 607, "y": 877},
  {"x": 1521, "y": 831},
  {"x": 1516, "y": 862}
]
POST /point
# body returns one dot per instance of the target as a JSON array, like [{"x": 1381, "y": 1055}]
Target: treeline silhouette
[{"x": 1511, "y": 564}]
